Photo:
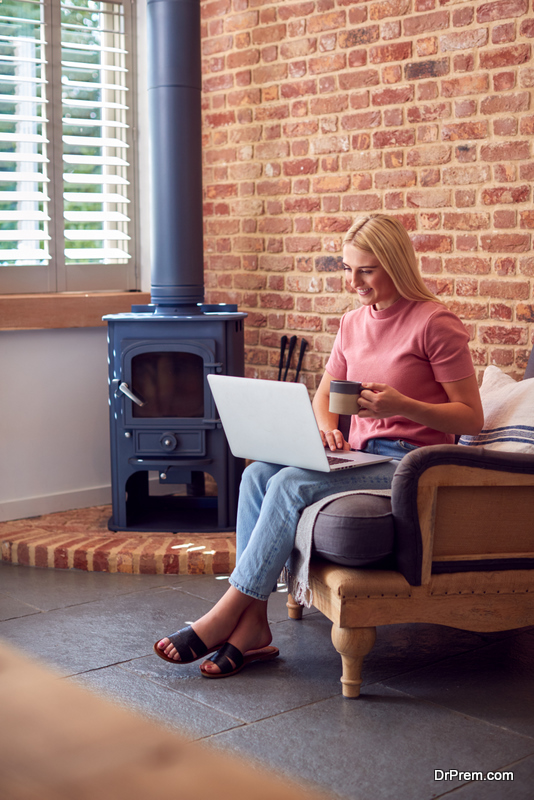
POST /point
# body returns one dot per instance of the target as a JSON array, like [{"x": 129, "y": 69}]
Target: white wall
[
  {"x": 54, "y": 433},
  {"x": 54, "y": 430}
]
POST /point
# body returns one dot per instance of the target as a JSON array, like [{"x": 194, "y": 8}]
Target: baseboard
[{"x": 50, "y": 503}]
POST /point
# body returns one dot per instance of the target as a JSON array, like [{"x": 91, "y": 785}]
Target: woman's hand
[
  {"x": 379, "y": 401},
  {"x": 334, "y": 440}
]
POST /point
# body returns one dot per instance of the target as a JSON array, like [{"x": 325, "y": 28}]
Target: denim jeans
[{"x": 271, "y": 500}]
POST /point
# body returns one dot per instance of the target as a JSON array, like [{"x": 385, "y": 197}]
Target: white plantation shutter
[{"x": 66, "y": 167}]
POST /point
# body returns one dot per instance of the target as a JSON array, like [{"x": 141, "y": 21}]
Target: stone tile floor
[{"x": 433, "y": 698}]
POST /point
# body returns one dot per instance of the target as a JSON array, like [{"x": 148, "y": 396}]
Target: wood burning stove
[{"x": 164, "y": 426}]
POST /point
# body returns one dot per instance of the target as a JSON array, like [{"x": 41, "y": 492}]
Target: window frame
[{"x": 58, "y": 276}]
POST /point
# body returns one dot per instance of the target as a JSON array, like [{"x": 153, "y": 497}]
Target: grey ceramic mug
[{"x": 344, "y": 397}]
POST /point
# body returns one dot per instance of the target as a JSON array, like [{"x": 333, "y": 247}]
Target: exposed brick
[
  {"x": 429, "y": 198},
  {"x": 505, "y": 194},
  {"x": 466, "y": 221},
  {"x": 329, "y": 63},
  {"x": 403, "y": 137},
  {"x": 505, "y": 151},
  {"x": 464, "y": 40},
  {"x": 505, "y": 56},
  {"x": 331, "y": 183},
  {"x": 426, "y": 69},
  {"x": 464, "y": 130},
  {"x": 507, "y": 104},
  {"x": 386, "y": 97},
  {"x": 378, "y": 54},
  {"x": 423, "y": 23},
  {"x": 526, "y": 219},
  {"x": 463, "y": 175},
  {"x": 506, "y": 243},
  {"x": 358, "y": 36},
  {"x": 499, "y": 334},
  {"x": 389, "y": 8},
  {"x": 431, "y": 242},
  {"x": 501, "y": 9},
  {"x": 507, "y": 290},
  {"x": 469, "y": 84}
]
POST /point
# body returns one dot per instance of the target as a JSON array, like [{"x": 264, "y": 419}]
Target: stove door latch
[{"x": 121, "y": 386}]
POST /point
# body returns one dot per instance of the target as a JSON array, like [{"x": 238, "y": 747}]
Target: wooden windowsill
[{"x": 68, "y": 310}]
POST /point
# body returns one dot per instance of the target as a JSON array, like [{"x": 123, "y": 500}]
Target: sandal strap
[
  {"x": 188, "y": 644},
  {"x": 223, "y": 656}
]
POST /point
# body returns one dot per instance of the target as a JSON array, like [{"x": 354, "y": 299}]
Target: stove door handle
[{"x": 125, "y": 389}]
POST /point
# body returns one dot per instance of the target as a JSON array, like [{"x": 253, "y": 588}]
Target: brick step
[{"x": 80, "y": 539}]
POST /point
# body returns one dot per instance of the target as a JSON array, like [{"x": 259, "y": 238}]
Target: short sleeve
[
  {"x": 446, "y": 346},
  {"x": 336, "y": 365}
]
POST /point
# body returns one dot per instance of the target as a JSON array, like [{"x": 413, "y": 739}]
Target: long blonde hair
[{"x": 388, "y": 240}]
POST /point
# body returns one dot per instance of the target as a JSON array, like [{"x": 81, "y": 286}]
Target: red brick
[
  {"x": 505, "y": 194},
  {"x": 222, "y": 118},
  {"x": 505, "y": 151},
  {"x": 268, "y": 34},
  {"x": 466, "y": 221},
  {"x": 396, "y": 138},
  {"x": 328, "y": 105},
  {"x": 504, "y": 219},
  {"x": 332, "y": 224},
  {"x": 361, "y": 202},
  {"x": 468, "y": 310},
  {"x": 462, "y": 16},
  {"x": 426, "y": 69},
  {"x": 505, "y": 56},
  {"x": 379, "y": 54},
  {"x": 524, "y": 312},
  {"x": 502, "y": 9},
  {"x": 395, "y": 178},
  {"x": 507, "y": 104},
  {"x": 331, "y": 183},
  {"x": 464, "y": 130},
  {"x": 298, "y": 48},
  {"x": 506, "y": 243},
  {"x": 463, "y": 40},
  {"x": 429, "y": 198},
  {"x": 501, "y": 311},
  {"x": 465, "y": 175},
  {"x": 275, "y": 300},
  {"x": 499, "y": 334},
  {"x": 359, "y": 36},
  {"x": 386, "y": 97},
  {"x": 431, "y": 242},
  {"x": 507, "y": 290},
  {"x": 389, "y": 8},
  {"x": 326, "y": 22},
  {"x": 425, "y": 22},
  {"x": 359, "y": 79},
  {"x": 302, "y": 204},
  {"x": 368, "y": 119},
  {"x": 215, "y": 9},
  {"x": 303, "y": 166},
  {"x": 425, "y": 156},
  {"x": 329, "y": 63},
  {"x": 288, "y": 10},
  {"x": 527, "y": 219},
  {"x": 527, "y": 28},
  {"x": 428, "y": 113},
  {"x": 505, "y": 127},
  {"x": 503, "y": 33},
  {"x": 469, "y": 84}
]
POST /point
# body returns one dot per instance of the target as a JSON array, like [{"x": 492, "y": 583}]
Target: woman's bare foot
[
  {"x": 251, "y": 633},
  {"x": 215, "y": 627}
]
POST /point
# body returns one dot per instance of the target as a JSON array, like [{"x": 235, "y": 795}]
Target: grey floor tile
[
  {"x": 308, "y": 669},
  {"x": 403, "y": 648},
  {"x": 47, "y": 589},
  {"x": 153, "y": 700},
  {"x": 520, "y": 788},
  {"x": 385, "y": 746},
  {"x": 11, "y": 608},
  {"x": 494, "y": 683},
  {"x": 99, "y": 634}
]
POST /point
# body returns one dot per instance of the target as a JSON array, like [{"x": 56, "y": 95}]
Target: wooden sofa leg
[
  {"x": 294, "y": 609},
  {"x": 352, "y": 644}
]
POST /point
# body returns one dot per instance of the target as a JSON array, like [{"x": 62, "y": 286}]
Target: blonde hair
[{"x": 388, "y": 240}]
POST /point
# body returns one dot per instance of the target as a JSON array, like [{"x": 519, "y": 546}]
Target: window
[{"x": 67, "y": 218}]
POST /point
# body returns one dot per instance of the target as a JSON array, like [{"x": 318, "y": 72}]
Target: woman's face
[{"x": 368, "y": 278}]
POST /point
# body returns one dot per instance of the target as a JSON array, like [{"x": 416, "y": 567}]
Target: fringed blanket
[{"x": 296, "y": 571}]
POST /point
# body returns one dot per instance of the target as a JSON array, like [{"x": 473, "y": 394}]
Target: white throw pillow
[{"x": 508, "y": 413}]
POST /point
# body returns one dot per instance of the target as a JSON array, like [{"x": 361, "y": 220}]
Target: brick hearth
[{"x": 80, "y": 539}]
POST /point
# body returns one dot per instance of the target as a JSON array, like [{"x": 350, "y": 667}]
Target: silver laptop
[{"x": 274, "y": 421}]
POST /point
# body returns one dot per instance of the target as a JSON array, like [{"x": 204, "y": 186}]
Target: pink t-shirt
[{"x": 413, "y": 347}]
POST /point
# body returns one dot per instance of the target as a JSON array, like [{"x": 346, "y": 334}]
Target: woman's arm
[
  {"x": 326, "y": 420},
  {"x": 463, "y": 413}
]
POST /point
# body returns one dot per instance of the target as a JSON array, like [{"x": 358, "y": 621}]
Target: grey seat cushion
[{"x": 355, "y": 531}]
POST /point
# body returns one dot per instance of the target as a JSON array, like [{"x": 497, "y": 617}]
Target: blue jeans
[{"x": 271, "y": 500}]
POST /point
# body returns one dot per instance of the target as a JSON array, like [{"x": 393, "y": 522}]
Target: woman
[{"x": 411, "y": 354}]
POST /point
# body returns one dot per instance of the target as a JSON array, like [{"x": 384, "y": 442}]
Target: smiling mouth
[{"x": 364, "y": 291}]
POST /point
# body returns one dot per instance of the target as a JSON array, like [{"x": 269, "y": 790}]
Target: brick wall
[{"x": 315, "y": 111}]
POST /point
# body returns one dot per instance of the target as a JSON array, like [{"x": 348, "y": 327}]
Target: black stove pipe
[{"x": 174, "y": 87}]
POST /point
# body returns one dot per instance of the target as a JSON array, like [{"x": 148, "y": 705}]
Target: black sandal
[
  {"x": 228, "y": 651},
  {"x": 189, "y": 646}
]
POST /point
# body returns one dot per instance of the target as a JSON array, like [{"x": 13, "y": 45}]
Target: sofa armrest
[{"x": 462, "y": 508}]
